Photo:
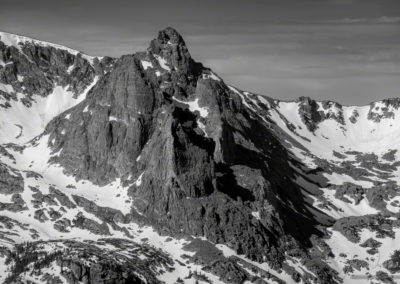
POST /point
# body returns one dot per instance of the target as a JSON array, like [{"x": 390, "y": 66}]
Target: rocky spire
[{"x": 170, "y": 47}]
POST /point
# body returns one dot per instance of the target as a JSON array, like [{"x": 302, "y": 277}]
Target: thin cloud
[{"x": 380, "y": 20}]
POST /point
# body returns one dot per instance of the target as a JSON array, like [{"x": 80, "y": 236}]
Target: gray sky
[{"x": 342, "y": 50}]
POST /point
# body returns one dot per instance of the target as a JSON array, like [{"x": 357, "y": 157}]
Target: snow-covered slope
[
  {"x": 365, "y": 129},
  {"x": 351, "y": 154},
  {"x": 341, "y": 162},
  {"x": 39, "y": 81},
  {"x": 23, "y": 123}
]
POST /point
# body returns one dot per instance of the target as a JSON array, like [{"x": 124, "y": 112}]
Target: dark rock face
[
  {"x": 34, "y": 69},
  {"x": 98, "y": 273},
  {"x": 351, "y": 227},
  {"x": 107, "y": 131},
  {"x": 195, "y": 159},
  {"x": 41, "y": 215},
  {"x": 105, "y": 214},
  {"x": 170, "y": 46},
  {"x": 350, "y": 190},
  {"x": 393, "y": 264},
  {"x": 80, "y": 262},
  {"x": 355, "y": 264},
  {"x": 312, "y": 113},
  {"x": 383, "y": 109},
  {"x": 308, "y": 112},
  {"x": 17, "y": 204},
  {"x": 92, "y": 226},
  {"x": 61, "y": 198},
  {"x": 10, "y": 182}
]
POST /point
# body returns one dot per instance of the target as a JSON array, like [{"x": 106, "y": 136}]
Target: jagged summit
[
  {"x": 170, "y": 47},
  {"x": 169, "y": 42},
  {"x": 171, "y": 36}
]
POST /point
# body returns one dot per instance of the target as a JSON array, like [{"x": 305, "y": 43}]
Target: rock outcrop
[{"x": 195, "y": 159}]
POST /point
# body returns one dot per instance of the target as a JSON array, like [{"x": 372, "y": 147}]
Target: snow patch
[
  {"x": 256, "y": 215},
  {"x": 211, "y": 76},
  {"x": 194, "y": 106},
  {"x": 146, "y": 64},
  {"x": 70, "y": 68},
  {"x": 138, "y": 182},
  {"x": 34, "y": 119},
  {"x": 202, "y": 127},
  {"x": 162, "y": 62}
]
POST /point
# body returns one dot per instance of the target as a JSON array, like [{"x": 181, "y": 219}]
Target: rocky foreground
[{"x": 149, "y": 168}]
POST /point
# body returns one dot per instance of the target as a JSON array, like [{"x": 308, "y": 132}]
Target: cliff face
[
  {"x": 38, "y": 81},
  {"x": 157, "y": 139},
  {"x": 194, "y": 158},
  {"x": 35, "y": 69}
]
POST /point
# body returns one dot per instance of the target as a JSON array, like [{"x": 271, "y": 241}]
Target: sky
[{"x": 342, "y": 50}]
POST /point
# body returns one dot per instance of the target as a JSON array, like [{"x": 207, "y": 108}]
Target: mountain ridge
[
  {"x": 28, "y": 38},
  {"x": 159, "y": 144},
  {"x": 13, "y": 39}
]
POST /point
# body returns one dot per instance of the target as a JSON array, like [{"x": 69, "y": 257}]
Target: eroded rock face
[
  {"x": 106, "y": 132},
  {"x": 383, "y": 110},
  {"x": 33, "y": 69},
  {"x": 195, "y": 159},
  {"x": 169, "y": 47},
  {"x": 79, "y": 262},
  {"x": 393, "y": 264},
  {"x": 312, "y": 112},
  {"x": 10, "y": 182}
]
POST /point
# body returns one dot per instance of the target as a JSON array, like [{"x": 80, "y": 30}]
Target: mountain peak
[
  {"x": 170, "y": 35},
  {"x": 170, "y": 46}
]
